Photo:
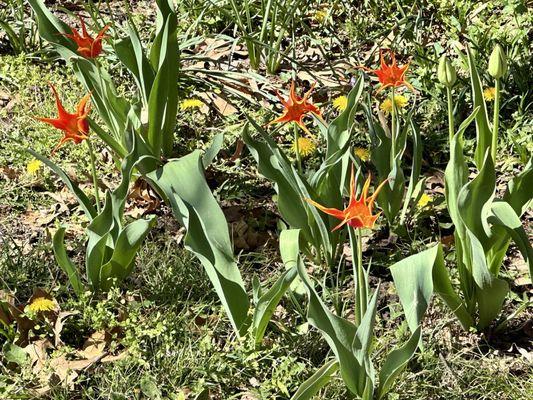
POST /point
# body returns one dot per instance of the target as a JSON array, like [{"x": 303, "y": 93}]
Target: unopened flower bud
[
  {"x": 498, "y": 62},
  {"x": 446, "y": 72}
]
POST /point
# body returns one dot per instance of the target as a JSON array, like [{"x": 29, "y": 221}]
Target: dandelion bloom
[
  {"x": 88, "y": 46},
  {"x": 191, "y": 103},
  {"x": 362, "y": 153},
  {"x": 340, "y": 103},
  {"x": 424, "y": 200},
  {"x": 75, "y": 126},
  {"x": 399, "y": 100},
  {"x": 358, "y": 213},
  {"x": 306, "y": 147},
  {"x": 295, "y": 108},
  {"x": 489, "y": 94},
  {"x": 33, "y": 166},
  {"x": 41, "y": 304},
  {"x": 390, "y": 75}
]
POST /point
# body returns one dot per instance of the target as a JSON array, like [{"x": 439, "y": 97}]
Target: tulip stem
[
  {"x": 93, "y": 172},
  {"x": 496, "y": 121},
  {"x": 361, "y": 281},
  {"x": 451, "y": 129},
  {"x": 393, "y": 130},
  {"x": 356, "y": 243},
  {"x": 297, "y": 148}
]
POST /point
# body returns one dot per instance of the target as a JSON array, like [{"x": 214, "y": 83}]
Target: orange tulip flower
[
  {"x": 88, "y": 46},
  {"x": 390, "y": 75},
  {"x": 75, "y": 126},
  {"x": 358, "y": 213},
  {"x": 296, "y": 107}
]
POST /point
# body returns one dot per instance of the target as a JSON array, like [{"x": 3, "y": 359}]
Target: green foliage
[
  {"x": 324, "y": 185},
  {"x": 351, "y": 344}
]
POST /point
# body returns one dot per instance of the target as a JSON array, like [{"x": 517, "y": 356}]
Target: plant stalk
[
  {"x": 393, "y": 131},
  {"x": 297, "y": 148},
  {"x": 496, "y": 121},
  {"x": 451, "y": 128},
  {"x": 93, "y": 172}
]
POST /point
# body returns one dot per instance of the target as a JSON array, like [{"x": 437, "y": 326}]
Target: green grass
[{"x": 167, "y": 315}]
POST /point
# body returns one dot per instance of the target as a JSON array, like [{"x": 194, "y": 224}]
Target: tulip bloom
[
  {"x": 296, "y": 107},
  {"x": 390, "y": 75},
  {"x": 75, "y": 126},
  {"x": 88, "y": 46},
  {"x": 358, "y": 213}
]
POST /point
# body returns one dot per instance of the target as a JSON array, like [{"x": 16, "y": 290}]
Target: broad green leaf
[
  {"x": 112, "y": 108},
  {"x": 475, "y": 199},
  {"x": 395, "y": 361},
  {"x": 519, "y": 192},
  {"x": 292, "y": 189},
  {"x": 128, "y": 242},
  {"x": 84, "y": 202},
  {"x": 520, "y": 198},
  {"x": 212, "y": 150},
  {"x": 338, "y": 332},
  {"x": 416, "y": 166},
  {"x": 491, "y": 291},
  {"x": 163, "y": 99},
  {"x": 483, "y": 132},
  {"x": 505, "y": 216},
  {"x": 51, "y": 28},
  {"x": 415, "y": 279},
  {"x": 130, "y": 52},
  {"x": 317, "y": 381},
  {"x": 183, "y": 185},
  {"x": 268, "y": 302},
  {"x": 339, "y": 131},
  {"x": 65, "y": 263}
]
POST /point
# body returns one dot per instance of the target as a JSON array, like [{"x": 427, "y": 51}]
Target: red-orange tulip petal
[
  {"x": 296, "y": 107},
  {"x": 88, "y": 46},
  {"x": 358, "y": 213},
  {"x": 390, "y": 75},
  {"x": 75, "y": 126}
]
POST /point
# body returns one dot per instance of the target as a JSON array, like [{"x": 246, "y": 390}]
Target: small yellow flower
[
  {"x": 424, "y": 200},
  {"x": 191, "y": 103},
  {"x": 33, "y": 166},
  {"x": 320, "y": 16},
  {"x": 489, "y": 94},
  {"x": 340, "y": 103},
  {"x": 362, "y": 153},
  {"x": 399, "y": 100},
  {"x": 306, "y": 147},
  {"x": 41, "y": 304}
]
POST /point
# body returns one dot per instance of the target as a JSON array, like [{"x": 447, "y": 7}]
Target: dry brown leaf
[
  {"x": 220, "y": 104},
  {"x": 94, "y": 346},
  {"x": 58, "y": 326},
  {"x": 8, "y": 173}
]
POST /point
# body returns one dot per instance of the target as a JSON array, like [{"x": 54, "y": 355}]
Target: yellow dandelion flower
[
  {"x": 489, "y": 94},
  {"x": 320, "y": 16},
  {"x": 306, "y": 147},
  {"x": 340, "y": 103},
  {"x": 399, "y": 100},
  {"x": 41, "y": 304},
  {"x": 424, "y": 200},
  {"x": 33, "y": 166},
  {"x": 362, "y": 153},
  {"x": 191, "y": 103}
]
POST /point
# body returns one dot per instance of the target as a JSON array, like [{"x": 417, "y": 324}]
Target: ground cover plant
[{"x": 266, "y": 200}]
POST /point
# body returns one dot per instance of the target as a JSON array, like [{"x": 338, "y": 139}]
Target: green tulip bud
[
  {"x": 498, "y": 62},
  {"x": 446, "y": 72}
]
